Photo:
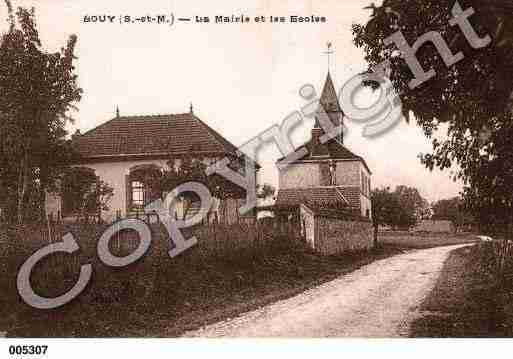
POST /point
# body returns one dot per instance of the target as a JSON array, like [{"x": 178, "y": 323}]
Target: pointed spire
[
  {"x": 191, "y": 109},
  {"x": 117, "y": 111},
  {"x": 329, "y": 98},
  {"x": 331, "y": 106}
]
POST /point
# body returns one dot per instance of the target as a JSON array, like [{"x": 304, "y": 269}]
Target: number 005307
[{"x": 27, "y": 349}]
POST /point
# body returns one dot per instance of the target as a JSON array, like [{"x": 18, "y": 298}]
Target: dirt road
[{"x": 378, "y": 300}]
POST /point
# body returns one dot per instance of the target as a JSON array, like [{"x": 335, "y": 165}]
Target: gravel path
[{"x": 377, "y": 300}]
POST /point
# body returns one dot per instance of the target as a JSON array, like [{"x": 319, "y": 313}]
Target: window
[
  {"x": 366, "y": 185},
  {"x": 326, "y": 174},
  {"x": 332, "y": 174},
  {"x": 139, "y": 191},
  {"x": 137, "y": 194}
]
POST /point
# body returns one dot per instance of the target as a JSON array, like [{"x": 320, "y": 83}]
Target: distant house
[
  {"x": 123, "y": 150},
  {"x": 434, "y": 226}
]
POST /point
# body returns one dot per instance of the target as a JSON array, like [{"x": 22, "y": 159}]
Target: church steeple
[
  {"x": 329, "y": 104},
  {"x": 329, "y": 98}
]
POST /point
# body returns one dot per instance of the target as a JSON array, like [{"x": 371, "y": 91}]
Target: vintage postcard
[{"x": 255, "y": 169}]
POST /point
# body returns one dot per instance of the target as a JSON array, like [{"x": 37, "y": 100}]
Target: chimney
[
  {"x": 317, "y": 148},
  {"x": 316, "y": 137}
]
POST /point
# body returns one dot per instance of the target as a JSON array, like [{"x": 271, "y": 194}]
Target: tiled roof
[
  {"x": 334, "y": 148},
  {"x": 317, "y": 196},
  {"x": 331, "y": 150},
  {"x": 152, "y": 135},
  {"x": 352, "y": 194}
]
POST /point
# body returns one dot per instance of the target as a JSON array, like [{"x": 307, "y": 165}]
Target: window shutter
[
  {"x": 128, "y": 198},
  {"x": 325, "y": 174}
]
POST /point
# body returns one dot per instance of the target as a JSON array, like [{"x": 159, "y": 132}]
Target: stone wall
[
  {"x": 307, "y": 218},
  {"x": 348, "y": 173},
  {"x": 366, "y": 206},
  {"x": 303, "y": 175},
  {"x": 308, "y": 174},
  {"x": 335, "y": 235}
]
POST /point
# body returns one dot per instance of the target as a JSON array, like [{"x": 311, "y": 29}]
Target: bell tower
[
  {"x": 329, "y": 100},
  {"x": 329, "y": 103}
]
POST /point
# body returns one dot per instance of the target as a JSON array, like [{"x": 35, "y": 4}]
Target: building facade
[
  {"x": 329, "y": 174},
  {"x": 126, "y": 150}
]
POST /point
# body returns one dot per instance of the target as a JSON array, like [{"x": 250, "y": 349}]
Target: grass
[
  {"x": 232, "y": 270},
  {"x": 416, "y": 240},
  {"x": 468, "y": 299},
  {"x": 235, "y": 270}
]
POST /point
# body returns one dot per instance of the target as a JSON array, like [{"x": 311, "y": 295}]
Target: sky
[{"x": 240, "y": 78}]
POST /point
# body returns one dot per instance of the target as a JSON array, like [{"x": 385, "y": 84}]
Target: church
[
  {"x": 329, "y": 175},
  {"x": 328, "y": 189}
]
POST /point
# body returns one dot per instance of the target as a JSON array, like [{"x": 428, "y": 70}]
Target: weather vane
[{"x": 328, "y": 52}]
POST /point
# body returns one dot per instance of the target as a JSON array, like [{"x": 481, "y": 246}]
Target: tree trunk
[
  {"x": 22, "y": 186},
  {"x": 19, "y": 204},
  {"x": 375, "y": 235}
]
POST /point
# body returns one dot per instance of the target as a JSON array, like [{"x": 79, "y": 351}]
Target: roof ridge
[
  {"x": 134, "y": 117},
  {"x": 99, "y": 126},
  {"x": 151, "y": 134},
  {"x": 156, "y": 115},
  {"x": 331, "y": 142}
]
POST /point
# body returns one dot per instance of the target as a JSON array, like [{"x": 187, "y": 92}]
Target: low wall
[
  {"x": 436, "y": 226},
  {"x": 335, "y": 235}
]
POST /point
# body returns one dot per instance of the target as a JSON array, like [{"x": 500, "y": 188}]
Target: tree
[
  {"x": 83, "y": 193},
  {"x": 265, "y": 191},
  {"x": 38, "y": 89},
  {"x": 190, "y": 169},
  {"x": 452, "y": 209},
  {"x": 414, "y": 205},
  {"x": 402, "y": 208},
  {"x": 385, "y": 209},
  {"x": 446, "y": 209},
  {"x": 472, "y": 98}
]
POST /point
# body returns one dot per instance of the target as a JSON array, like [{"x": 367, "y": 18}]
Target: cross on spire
[{"x": 328, "y": 52}]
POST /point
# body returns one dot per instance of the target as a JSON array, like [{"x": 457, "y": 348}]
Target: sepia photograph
[{"x": 254, "y": 170}]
